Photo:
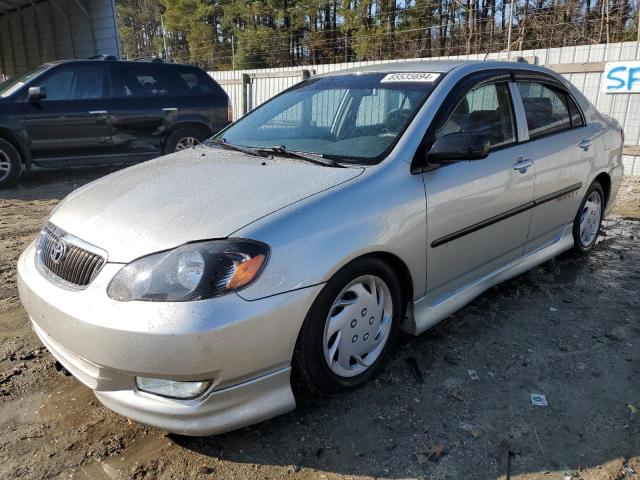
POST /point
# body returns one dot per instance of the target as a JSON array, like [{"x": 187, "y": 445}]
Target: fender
[{"x": 381, "y": 211}]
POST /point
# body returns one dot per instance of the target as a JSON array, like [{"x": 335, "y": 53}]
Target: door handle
[
  {"x": 97, "y": 112},
  {"x": 170, "y": 109},
  {"x": 522, "y": 164},
  {"x": 585, "y": 143}
]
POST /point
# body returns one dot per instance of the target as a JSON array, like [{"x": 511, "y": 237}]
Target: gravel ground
[{"x": 568, "y": 329}]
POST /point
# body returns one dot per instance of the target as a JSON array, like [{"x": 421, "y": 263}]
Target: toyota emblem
[{"x": 58, "y": 251}]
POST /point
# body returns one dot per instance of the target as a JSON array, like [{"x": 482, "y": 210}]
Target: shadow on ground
[{"x": 568, "y": 329}]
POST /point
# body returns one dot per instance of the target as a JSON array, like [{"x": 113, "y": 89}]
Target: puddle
[
  {"x": 60, "y": 406},
  {"x": 144, "y": 450},
  {"x": 617, "y": 228}
]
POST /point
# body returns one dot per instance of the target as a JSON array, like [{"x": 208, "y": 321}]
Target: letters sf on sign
[{"x": 621, "y": 77}]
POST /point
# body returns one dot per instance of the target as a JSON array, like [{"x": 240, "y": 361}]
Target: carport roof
[{"x": 7, "y": 6}]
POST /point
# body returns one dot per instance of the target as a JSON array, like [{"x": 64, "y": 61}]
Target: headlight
[{"x": 194, "y": 271}]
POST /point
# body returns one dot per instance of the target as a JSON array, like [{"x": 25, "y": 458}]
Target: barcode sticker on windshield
[{"x": 410, "y": 77}]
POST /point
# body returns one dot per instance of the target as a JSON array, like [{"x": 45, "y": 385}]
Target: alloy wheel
[
  {"x": 186, "y": 142},
  {"x": 358, "y": 326},
  {"x": 590, "y": 218},
  {"x": 5, "y": 165}
]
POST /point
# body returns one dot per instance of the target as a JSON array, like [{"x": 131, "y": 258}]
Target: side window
[
  {"x": 74, "y": 82},
  {"x": 196, "y": 82},
  {"x": 545, "y": 108},
  {"x": 137, "y": 81},
  {"x": 485, "y": 110}
]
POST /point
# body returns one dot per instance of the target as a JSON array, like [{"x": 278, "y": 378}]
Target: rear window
[{"x": 546, "y": 109}]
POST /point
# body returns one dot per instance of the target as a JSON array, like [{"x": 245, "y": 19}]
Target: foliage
[{"x": 223, "y": 34}]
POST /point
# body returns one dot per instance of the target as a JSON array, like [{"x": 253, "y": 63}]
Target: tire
[
  {"x": 10, "y": 165},
  {"x": 312, "y": 375},
  {"x": 586, "y": 225},
  {"x": 180, "y": 139}
]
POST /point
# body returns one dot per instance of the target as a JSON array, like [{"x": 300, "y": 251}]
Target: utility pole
[
  {"x": 164, "y": 32},
  {"x": 233, "y": 53},
  {"x": 509, "y": 34}
]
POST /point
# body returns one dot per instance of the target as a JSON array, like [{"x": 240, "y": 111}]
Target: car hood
[{"x": 197, "y": 194}]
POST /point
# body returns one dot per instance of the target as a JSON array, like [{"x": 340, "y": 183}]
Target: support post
[
  {"x": 41, "y": 45},
  {"x": 66, "y": 17},
  {"x": 233, "y": 53},
  {"x": 245, "y": 93},
  {"x": 509, "y": 32},
  {"x": 3, "y": 64}
]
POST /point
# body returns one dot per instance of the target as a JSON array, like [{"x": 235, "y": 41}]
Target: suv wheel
[
  {"x": 185, "y": 138},
  {"x": 10, "y": 165}
]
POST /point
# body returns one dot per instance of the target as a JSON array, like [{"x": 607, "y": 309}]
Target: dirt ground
[{"x": 568, "y": 329}]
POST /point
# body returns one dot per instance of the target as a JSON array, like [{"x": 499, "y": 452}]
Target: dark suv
[{"x": 98, "y": 111}]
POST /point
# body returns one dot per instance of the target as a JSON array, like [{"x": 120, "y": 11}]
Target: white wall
[
  {"x": 624, "y": 107},
  {"x": 33, "y": 35}
]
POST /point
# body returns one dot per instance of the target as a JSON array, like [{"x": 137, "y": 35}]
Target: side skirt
[{"x": 427, "y": 314}]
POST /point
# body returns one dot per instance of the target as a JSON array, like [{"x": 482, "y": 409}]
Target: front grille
[{"x": 68, "y": 258}]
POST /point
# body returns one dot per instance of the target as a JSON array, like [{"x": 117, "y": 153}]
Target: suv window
[
  {"x": 485, "y": 110},
  {"x": 137, "y": 81},
  {"x": 196, "y": 82},
  {"x": 74, "y": 82},
  {"x": 545, "y": 108}
]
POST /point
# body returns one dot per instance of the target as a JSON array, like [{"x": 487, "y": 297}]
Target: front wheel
[
  {"x": 349, "y": 329},
  {"x": 10, "y": 165},
  {"x": 586, "y": 225}
]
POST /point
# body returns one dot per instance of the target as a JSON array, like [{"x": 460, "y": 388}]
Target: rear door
[
  {"x": 143, "y": 107},
  {"x": 562, "y": 148},
  {"x": 478, "y": 211},
  {"x": 73, "y": 120}
]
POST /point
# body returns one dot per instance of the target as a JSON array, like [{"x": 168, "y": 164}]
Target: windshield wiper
[
  {"x": 311, "y": 157},
  {"x": 238, "y": 148}
]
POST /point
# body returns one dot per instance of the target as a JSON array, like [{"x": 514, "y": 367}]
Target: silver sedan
[{"x": 199, "y": 291}]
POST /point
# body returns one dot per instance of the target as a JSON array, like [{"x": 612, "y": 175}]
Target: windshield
[
  {"x": 355, "y": 118},
  {"x": 8, "y": 87}
]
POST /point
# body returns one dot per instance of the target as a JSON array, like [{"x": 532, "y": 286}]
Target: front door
[
  {"x": 72, "y": 122},
  {"x": 478, "y": 211}
]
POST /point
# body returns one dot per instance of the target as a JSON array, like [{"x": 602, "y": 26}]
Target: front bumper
[{"x": 245, "y": 347}]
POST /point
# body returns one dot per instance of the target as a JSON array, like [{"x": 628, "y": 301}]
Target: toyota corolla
[{"x": 199, "y": 291}]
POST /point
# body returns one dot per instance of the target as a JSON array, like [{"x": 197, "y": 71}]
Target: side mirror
[
  {"x": 36, "y": 94},
  {"x": 459, "y": 146}
]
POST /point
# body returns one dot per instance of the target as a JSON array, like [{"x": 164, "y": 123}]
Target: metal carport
[{"x": 35, "y": 31}]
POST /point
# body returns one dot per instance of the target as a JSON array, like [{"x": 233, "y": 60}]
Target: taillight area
[
  {"x": 622, "y": 135},
  {"x": 229, "y": 111}
]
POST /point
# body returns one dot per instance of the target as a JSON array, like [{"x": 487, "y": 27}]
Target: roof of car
[
  {"x": 436, "y": 66},
  {"x": 115, "y": 60}
]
